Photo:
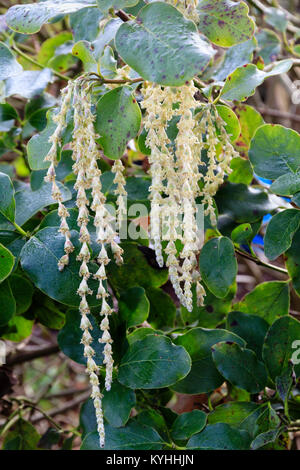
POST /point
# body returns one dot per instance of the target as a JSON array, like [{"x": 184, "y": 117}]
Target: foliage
[{"x": 240, "y": 351}]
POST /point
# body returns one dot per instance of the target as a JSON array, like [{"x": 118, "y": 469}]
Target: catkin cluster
[
  {"x": 85, "y": 155},
  {"x": 177, "y": 180}
]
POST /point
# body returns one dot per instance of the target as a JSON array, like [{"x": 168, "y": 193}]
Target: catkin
[
  {"x": 85, "y": 156},
  {"x": 176, "y": 177}
]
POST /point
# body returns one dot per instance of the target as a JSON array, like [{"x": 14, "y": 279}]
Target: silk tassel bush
[{"x": 176, "y": 183}]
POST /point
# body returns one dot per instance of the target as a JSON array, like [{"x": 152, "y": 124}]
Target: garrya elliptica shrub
[{"x": 133, "y": 138}]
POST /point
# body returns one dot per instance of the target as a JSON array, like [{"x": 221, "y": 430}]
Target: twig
[
  {"x": 27, "y": 404},
  {"x": 122, "y": 15},
  {"x": 35, "y": 62},
  {"x": 280, "y": 114},
  {"x": 66, "y": 393},
  {"x": 31, "y": 355},
  {"x": 62, "y": 409},
  {"x": 20, "y": 230},
  {"x": 102, "y": 80},
  {"x": 260, "y": 262}
]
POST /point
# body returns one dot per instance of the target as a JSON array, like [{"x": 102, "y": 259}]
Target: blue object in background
[
  {"x": 258, "y": 240},
  {"x": 263, "y": 180}
]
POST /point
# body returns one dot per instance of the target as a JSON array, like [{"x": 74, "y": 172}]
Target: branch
[
  {"x": 118, "y": 81},
  {"x": 122, "y": 15},
  {"x": 20, "y": 230},
  {"x": 35, "y": 62},
  {"x": 31, "y": 355},
  {"x": 261, "y": 263},
  {"x": 62, "y": 409},
  {"x": 280, "y": 114}
]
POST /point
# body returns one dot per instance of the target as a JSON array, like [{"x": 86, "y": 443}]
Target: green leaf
[
  {"x": 7, "y": 302},
  {"x": 18, "y": 328},
  {"x": 45, "y": 249},
  {"x": 106, "y": 36},
  {"x": 134, "y": 306},
  {"x": 118, "y": 120},
  {"x": 108, "y": 63},
  {"x": 153, "y": 362},
  {"x": 233, "y": 58},
  {"x": 268, "y": 419},
  {"x": 296, "y": 199},
  {"x": 268, "y": 300},
  {"x": 156, "y": 420},
  {"x": 249, "y": 423},
  {"x": 250, "y": 120},
  {"x": 84, "y": 51},
  {"x": 29, "y": 19},
  {"x": 280, "y": 232},
  {"x": 22, "y": 290},
  {"x": 224, "y": 22},
  {"x": 293, "y": 262},
  {"x": 239, "y": 366},
  {"x": 284, "y": 384},
  {"x": 161, "y": 31},
  {"x": 276, "y": 18},
  {"x": 53, "y": 318},
  {"x": 69, "y": 338},
  {"x": 141, "y": 333},
  {"x": 251, "y": 328},
  {"x": 48, "y": 47},
  {"x": 275, "y": 151},
  {"x": 105, "y": 5},
  {"x": 269, "y": 45},
  {"x": 8, "y": 115},
  {"x": 36, "y": 110},
  {"x": 28, "y": 84},
  {"x": 232, "y": 413},
  {"x": 162, "y": 308},
  {"x": 52, "y": 219},
  {"x": 213, "y": 311},
  {"x": 232, "y": 125},
  {"x": 7, "y": 261},
  {"x": 265, "y": 438},
  {"x": 241, "y": 171},
  {"x": 117, "y": 404},
  {"x": 27, "y": 436},
  {"x": 242, "y": 234},
  {"x": 88, "y": 422},
  {"x": 286, "y": 184},
  {"x": 7, "y": 200},
  {"x": 85, "y": 24},
  {"x": 30, "y": 202},
  {"x": 203, "y": 376},
  {"x": 218, "y": 265},
  {"x": 243, "y": 204},
  {"x": 220, "y": 436},
  {"x": 39, "y": 145},
  {"x": 242, "y": 83},
  {"x": 187, "y": 424},
  {"x": 134, "y": 436},
  {"x": 8, "y": 63},
  {"x": 278, "y": 349},
  {"x": 136, "y": 270},
  {"x": 63, "y": 58}
]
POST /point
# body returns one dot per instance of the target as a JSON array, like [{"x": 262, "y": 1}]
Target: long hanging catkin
[
  {"x": 85, "y": 155},
  {"x": 176, "y": 177}
]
